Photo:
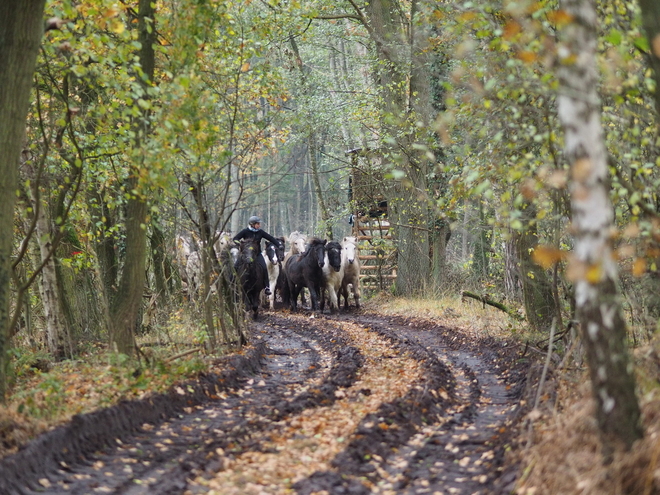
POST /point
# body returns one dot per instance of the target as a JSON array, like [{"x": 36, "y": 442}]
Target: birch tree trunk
[
  {"x": 20, "y": 35},
  {"x": 56, "y": 331},
  {"x": 595, "y": 272}
]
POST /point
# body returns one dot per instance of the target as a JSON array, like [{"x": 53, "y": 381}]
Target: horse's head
[
  {"x": 271, "y": 253},
  {"x": 279, "y": 249},
  {"x": 221, "y": 243},
  {"x": 316, "y": 249},
  {"x": 298, "y": 242},
  {"x": 349, "y": 249},
  {"x": 333, "y": 250},
  {"x": 248, "y": 251}
]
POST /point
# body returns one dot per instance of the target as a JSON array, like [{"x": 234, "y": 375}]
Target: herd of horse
[{"x": 330, "y": 270}]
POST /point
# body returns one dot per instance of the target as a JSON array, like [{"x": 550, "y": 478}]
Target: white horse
[
  {"x": 350, "y": 263},
  {"x": 224, "y": 243},
  {"x": 194, "y": 274},
  {"x": 182, "y": 253},
  {"x": 298, "y": 243}
]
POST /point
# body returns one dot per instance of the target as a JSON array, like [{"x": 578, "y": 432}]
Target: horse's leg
[
  {"x": 285, "y": 292},
  {"x": 314, "y": 290},
  {"x": 293, "y": 296},
  {"x": 356, "y": 291},
  {"x": 272, "y": 282},
  {"x": 334, "y": 306},
  {"x": 322, "y": 299},
  {"x": 343, "y": 292},
  {"x": 255, "y": 305}
]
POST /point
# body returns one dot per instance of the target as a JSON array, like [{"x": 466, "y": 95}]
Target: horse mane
[
  {"x": 250, "y": 241},
  {"x": 313, "y": 241}
]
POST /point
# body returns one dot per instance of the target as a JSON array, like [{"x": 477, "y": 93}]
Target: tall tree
[
  {"x": 21, "y": 30},
  {"x": 128, "y": 299},
  {"x": 402, "y": 75},
  {"x": 594, "y": 268}
]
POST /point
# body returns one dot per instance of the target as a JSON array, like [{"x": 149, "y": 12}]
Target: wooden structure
[{"x": 371, "y": 225}]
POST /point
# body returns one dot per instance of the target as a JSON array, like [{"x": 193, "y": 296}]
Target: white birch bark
[
  {"x": 50, "y": 299},
  {"x": 593, "y": 267}
]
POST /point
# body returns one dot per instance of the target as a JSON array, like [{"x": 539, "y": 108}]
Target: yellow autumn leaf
[
  {"x": 111, "y": 12},
  {"x": 117, "y": 27},
  {"x": 594, "y": 273},
  {"x": 560, "y": 18},
  {"x": 245, "y": 67},
  {"x": 639, "y": 267},
  {"x": 547, "y": 256},
  {"x": 527, "y": 56},
  {"x": 511, "y": 29}
]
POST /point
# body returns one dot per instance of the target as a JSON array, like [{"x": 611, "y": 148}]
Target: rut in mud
[{"x": 356, "y": 403}]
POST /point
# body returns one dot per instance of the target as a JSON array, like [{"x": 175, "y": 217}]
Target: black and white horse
[
  {"x": 273, "y": 255},
  {"x": 333, "y": 274},
  {"x": 306, "y": 270}
]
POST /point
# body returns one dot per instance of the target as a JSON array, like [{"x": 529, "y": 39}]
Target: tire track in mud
[
  {"x": 454, "y": 447},
  {"x": 158, "y": 459},
  {"x": 457, "y": 455},
  {"x": 439, "y": 433}
]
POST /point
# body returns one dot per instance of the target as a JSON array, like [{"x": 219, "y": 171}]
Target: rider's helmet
[{"x": 253, "y": 220}]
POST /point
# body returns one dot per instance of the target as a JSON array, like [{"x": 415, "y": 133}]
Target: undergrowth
[{"x": 44, "y": 393}]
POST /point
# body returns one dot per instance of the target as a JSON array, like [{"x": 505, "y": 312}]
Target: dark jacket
[{"x": 246, "y": 233}]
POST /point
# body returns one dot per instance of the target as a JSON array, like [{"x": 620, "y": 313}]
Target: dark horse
[
  {"x": 306, "y": 270},
  {"x": 252, "y": 274}
]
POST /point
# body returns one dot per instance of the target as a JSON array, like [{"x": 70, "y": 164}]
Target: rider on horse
[{"x": 253, "y": 231}]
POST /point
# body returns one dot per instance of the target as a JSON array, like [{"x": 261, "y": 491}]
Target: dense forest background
[{"x": 151, "y": 122}]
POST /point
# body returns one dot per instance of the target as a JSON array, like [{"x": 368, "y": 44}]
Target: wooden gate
[{"x": 371, "y": 225}]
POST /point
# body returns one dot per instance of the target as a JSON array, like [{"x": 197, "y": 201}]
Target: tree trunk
[
  {"x": 320, "y": 198},
  {"x": 482, "y": 248},
  {"x": 128, "y": 299},
  {"x": 56, "y": 330},
  {"x": 21, "y": 30},
  {"x": 403, "y": 80},
  {"x": 603, "y": 328},
  {"x": 537, "y": 291},
  {"x": 158, "y": 250},
  {"x": 512, "y": 282},
  {"x": 126, "y": 306},
  {"x": 651, "y": 22},
  {"x": 440, "y": 234},
  {"x": 207, "y": 254}
]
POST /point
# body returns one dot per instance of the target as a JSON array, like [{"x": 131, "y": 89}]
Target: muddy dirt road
[{"x": 349, "y": 404}]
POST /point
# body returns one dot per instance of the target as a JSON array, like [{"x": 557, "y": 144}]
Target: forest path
[{"x": 355, "y": 403}]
